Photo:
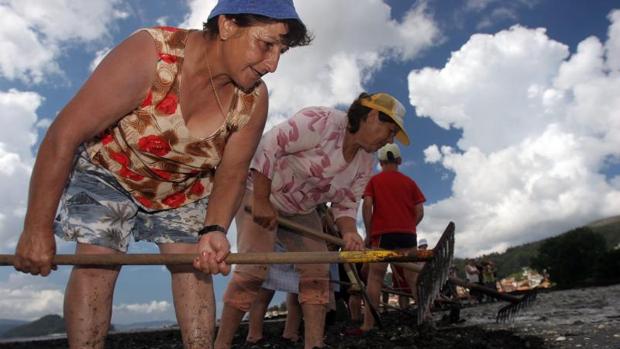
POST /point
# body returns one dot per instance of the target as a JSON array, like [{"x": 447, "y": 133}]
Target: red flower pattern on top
[
  {"x": 144, "y": 201},
  {"x": 197, "y": 188},
  {"x": 168, "y": 58},
  {"x": 162, "y": 174},
  {"x": 168, "y": 105},
  {"x": 127, "y": 173},
  {"x": 107, "y": 138},
  {"x": 154, "y": 144},
  {"x": 119, "y": 157},
  {"x": 140, "y": 146},
  {"x": 148, "y": 100},
  {"x": 174, "y": 200},
  {"x": 168, "y": 28}
]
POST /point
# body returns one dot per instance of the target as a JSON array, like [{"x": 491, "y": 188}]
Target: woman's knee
[
  {"x": 244, "y": 285},
  {"x": 314, "y": 289},
  {"x": 95, "y": 273}
]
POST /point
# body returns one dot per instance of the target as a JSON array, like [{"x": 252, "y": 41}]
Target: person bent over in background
[{"x": 319, "y": 155}]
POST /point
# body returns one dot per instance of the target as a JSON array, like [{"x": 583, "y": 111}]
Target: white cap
[
  {"x": 422, "y": 242},
  {"x": 382, "y": 153}
]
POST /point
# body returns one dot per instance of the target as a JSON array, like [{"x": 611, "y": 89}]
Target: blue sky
[{"x": 512, "y": 108}]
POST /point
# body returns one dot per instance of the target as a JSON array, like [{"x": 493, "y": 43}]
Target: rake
[
  {"x": 352, "y": 274},
  {"x": 434, "y": 273},
  {"x": 506, "y": 313},
  {"x": 232, "y": 258}
]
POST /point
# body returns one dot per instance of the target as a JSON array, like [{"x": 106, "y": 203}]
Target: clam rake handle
[
  {"x": 485, "y": 290},
  {"x": 422, "y": 255},
  {"x": 233, "y": 258}
]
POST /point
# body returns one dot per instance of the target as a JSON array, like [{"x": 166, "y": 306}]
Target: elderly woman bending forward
[{"x": 319, "y": 155}]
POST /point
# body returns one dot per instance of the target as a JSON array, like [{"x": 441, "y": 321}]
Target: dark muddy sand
[{"x": 579, "y": 318}]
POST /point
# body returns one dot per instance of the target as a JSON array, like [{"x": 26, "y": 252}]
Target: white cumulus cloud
[
  {"x": 99, "y": 56},
  {"x": 34, "y": 32},
  {"x": 140, "y": 312},
  {"x": 538, "y": 127},
  {"x": 23, "y": 297},
  {"x": 347, "y": 50},
  {"x": 17, "y": 136},
  {"x": 144, "y": 308}
]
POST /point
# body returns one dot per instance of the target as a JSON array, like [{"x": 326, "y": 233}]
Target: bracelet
[{"x": 212, "y": 228}]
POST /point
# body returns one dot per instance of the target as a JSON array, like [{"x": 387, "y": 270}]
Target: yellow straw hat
[{"x": 391, "y": 107}]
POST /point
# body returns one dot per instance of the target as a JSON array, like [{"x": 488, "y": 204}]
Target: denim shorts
[
  {"x": 284, "y": 277},
  {"x": 94, "y": 209}
]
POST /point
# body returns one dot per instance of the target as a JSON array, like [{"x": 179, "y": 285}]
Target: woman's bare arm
[{"x": 115, "y": 88}]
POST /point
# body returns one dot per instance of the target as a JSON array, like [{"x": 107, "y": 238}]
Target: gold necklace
[{"x": 217, "y": 98}]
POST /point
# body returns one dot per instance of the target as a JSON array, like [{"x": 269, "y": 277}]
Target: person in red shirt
[{"x": 392, "y": 208}]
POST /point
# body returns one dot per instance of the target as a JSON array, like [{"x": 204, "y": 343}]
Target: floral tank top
[{"x": 151, "y": 152}]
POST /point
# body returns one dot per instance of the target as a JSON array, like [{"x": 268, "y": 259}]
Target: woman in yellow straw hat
[{"x": 318, "y": 155}]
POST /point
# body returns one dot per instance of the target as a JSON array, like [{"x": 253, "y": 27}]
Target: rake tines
[
  {"x": 506, "y": 313},
  {"x": 434, "y": 274}
]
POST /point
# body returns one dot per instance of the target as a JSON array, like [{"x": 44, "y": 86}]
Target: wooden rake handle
[
  {"x": 233, "y": 258},
  {"x": 420, "y": 255}
]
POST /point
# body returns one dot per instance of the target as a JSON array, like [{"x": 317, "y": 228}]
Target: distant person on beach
[
  {"x": 156, "y": 146},
  {"x": 473, "y": 275},
  {"x": 392, "y": 208},
  {"x": 318, "y": 155},
  {"x": 449, "y": 290},
  {"x": 489, "y": 277}
]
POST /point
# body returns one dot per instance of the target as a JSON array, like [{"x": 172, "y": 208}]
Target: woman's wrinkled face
[
  {"x": 251, "y": 52},
  {"x": 374, "y": 133}
]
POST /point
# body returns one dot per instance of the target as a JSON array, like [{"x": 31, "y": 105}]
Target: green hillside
[
  {"x": 46, "y": 325},
  {"x": 610, "y": 229},
  {"x": 7, "y": 324},
  {"x": 517, "y": 257}
]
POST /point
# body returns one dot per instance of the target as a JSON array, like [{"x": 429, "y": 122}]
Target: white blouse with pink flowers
[{"x": 303, "y": 158}]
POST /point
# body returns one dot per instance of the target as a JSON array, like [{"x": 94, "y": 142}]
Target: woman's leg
[
  {"x": 376, "y": 273},
  {"x": 355, "y": 306},
  {"x": 403, "y": 302},
  {"x": 293, "y": 318},
  {"x": 246, "y": 279},
  {"x": 88, "y": 301},
  {"x": 314, "y": 324},
  {"x": 257, "y": 315},
  {"x": 194, "y": 301},
  {"x": 313, "y": 278}
]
